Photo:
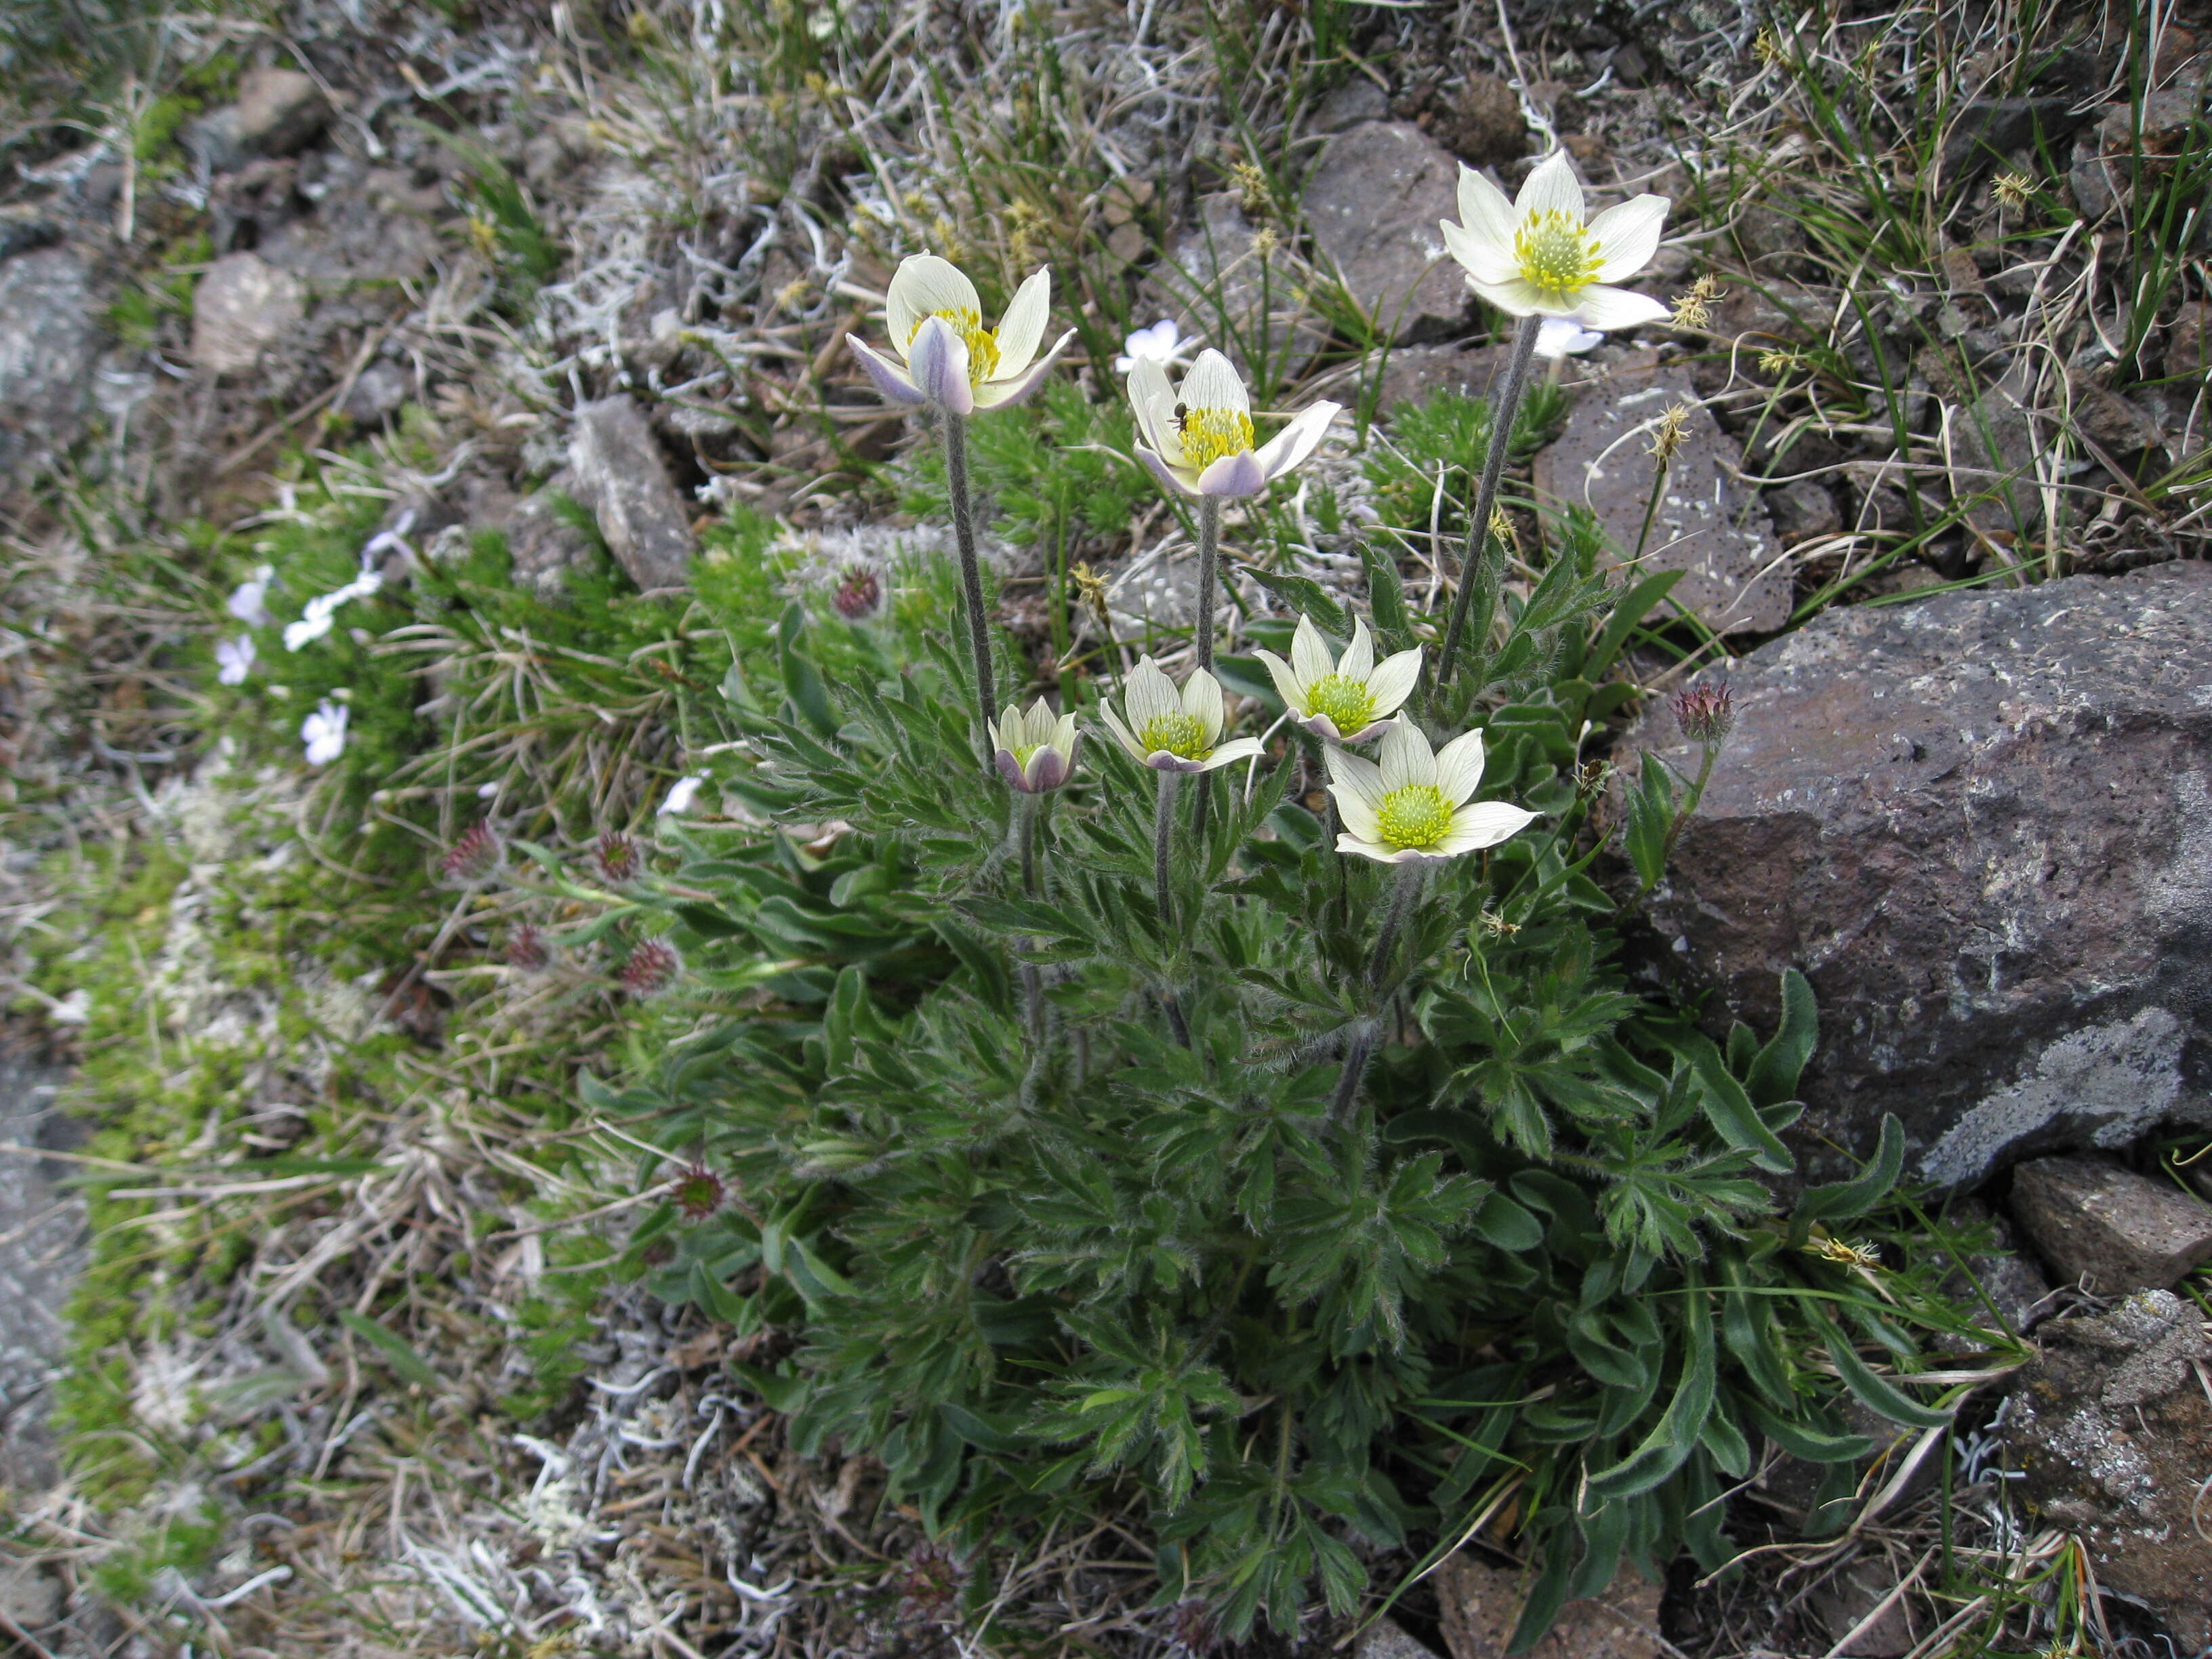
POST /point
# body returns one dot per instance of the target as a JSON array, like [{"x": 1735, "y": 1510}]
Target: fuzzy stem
[
  {"x": 1032, "y": 980},
  {"x": 971, "y": 576},
  {"x": 1485, "y": 495},
  {"x": 1403, "y": 893},
  {"x": 1355, "y": 1067},
  {"x": 1209, "y": 574},
  {"x": 1163, "y": 838}
]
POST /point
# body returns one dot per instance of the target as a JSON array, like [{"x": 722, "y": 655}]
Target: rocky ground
[{"x": 271, "y": 283}]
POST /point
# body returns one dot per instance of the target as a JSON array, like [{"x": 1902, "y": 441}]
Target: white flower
[
  {"x": 1560, "y": 337},
  {"x": 1034, "y": 751},
  {"x": 681, "y": 794},
  {"x": 1535, "y": 257},
  {"x": 323, "y": 731},
  {"x": 1416, "y": 806},
  {"x": 946, "y": 356},
  {"x": 1156, "y": 344},
  {"x": 322, "y": 610},
  {"x": 234, "y": 660},
  {"x": 1342, "y": 700},
  {"x": 1172, "y": 731},
  {"x": 249, "y": 600},
  {"x": 1197, "y": 437}
]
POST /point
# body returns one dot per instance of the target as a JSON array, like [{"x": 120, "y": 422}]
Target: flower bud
[
  {"x": 698, "y": 1192},
  {"x": 526, "y": 948},
  {"x": 858, "y": 595},
  {"x": 617, "y": 858},
  {"x": 651, "y": 968},
  {"x": 1705, "y": 713},
  {"x": 473, "y": 857}
]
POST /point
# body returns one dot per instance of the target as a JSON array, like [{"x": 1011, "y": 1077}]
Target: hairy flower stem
[
  {"x": 1403, "y": 894},
  {"x": 1032, "y": 980},
  {"x": 1163, "y": 842},
  {"x": 971, "y": 576},
  {"x": 1355, "y": 1067},
  {"x": 1209, "y": 578},
  {"x": 1485, "y": 495}
]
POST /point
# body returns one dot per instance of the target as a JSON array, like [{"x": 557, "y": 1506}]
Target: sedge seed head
[{"x": 1667, "y": 437}]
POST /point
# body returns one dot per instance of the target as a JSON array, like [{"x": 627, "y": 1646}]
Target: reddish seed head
[
  {"x": 653, "y": 966},
  {"x": 527, "y": 949},
  {"x": 929, "y": 1586},
  {"x": 618, "y": 857},
  {"x": 473, "y": 857},
  {"x": 698, "y": 1192},
  {"x": 1705, "y": 713},
  {"x": 859, "y": 594},
  {"x": 1192, "y": 1628}
]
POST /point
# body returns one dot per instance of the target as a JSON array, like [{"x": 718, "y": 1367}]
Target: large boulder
[
  {"x": 620, "y": 475},
  {"x": 1982, "y": 825},
  {"x": 1373, "y": 201}
]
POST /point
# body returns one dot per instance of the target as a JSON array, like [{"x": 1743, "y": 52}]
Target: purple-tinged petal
[
  {"x": 1170, "y": 480},
  {"x": 1240, "y": 474},
  {"x": 937, "y": 360},
  {"x": 890, "y": 380}
]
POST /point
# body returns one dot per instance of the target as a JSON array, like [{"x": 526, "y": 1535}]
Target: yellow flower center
[
  {"x": 1022, "y": 751},
  {"x": 1555, "y": 253},
  {"x": 1347, "y": 704},
  {"x": 983, "y": 344},
  {"x": 1417, "y": 816},
  {"x": 1210, "y": 433},
  {"x": 1181, "y": 735}
]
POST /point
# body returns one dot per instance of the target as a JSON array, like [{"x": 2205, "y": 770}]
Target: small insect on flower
[
  {"x": 526, "y": 948},
  {"x": 1343, "y": 699},
  {"x": 858, "y": 595},
  {"x": 1705, "y": 714},
  {"x": 1173, "y": 731},
  {"x": 947, "y": 357},
  {"x": 617, "y": 858},
  {"x": 2012, "y": 191},
  {"x": 1667, "y": 436},
  {"x": 1418, "y": 804},
  {"x": 1034, "y": 751},
  {"x": 474, "y": 857},
  {"x": 1845, "y": 1254},
  {"x": 1197, "y": 438},
  {"x": 697, "y": 1191},
  {"x": 1536, "y": 257},
  {"x": 651, "y": 968}
]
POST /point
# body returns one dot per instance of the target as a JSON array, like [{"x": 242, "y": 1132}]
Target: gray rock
[
  {"x": 2011, "y": 1281},
  {"x": 544, "y": 546},
  {"x": 1358, "y": 100},
  {"x": 1707, "y": 525},
  {"x": 1802, "y": 511},
  {"x": 1480, "y": 1604},
  {"x": 379, "y": 392},
  {"x": 1994, "y": 449},
  {"x": 243, "y": 306},
  {"x": 1374, "y": 199},
  {"x": 370, "y": 225},
  {"x": 2111, "y": 423},
  {"x": 30, "y": 1598},
  {"x": 1386, "y": 1639},
  {"x": 49, "y": 336},
  {"x": 278, "y": 111},
  {"x": 2091, "y": 182},
  {"x": 1994, "y": 128},
  {"x": 42, "y": 1252},
  {"x": 2189, "y": 342},
  {"x": 1220, "y": 290},
  {"x": 2107, "y": 1228},
  {"x": 1982, "y": 825},
  {"x": 2110, "y": 1425},
  {"x": 622, "y": 478},
  {"x": 1859, "y": 1594}
]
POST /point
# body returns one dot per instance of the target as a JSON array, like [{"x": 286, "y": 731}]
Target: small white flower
[
  {"x": 946, "y": 356},
  {"x": 234, "y": 660},
  {"x": 1342, "y": 700},
  {"x": 1417, "y": 804},
  {"x": 1157, "y": 345},
  {"x": 324, "y": 732},
  {"x": 1172, "y": 731},
  {"x": 1560, "y": 337},
  {"x": 1535, "y": 256},
  {"x": 249, "y": 600},
  {"x": 321, "y": 612},
  {"x": 1034, "y": 751},
  {"x": 1197, "y": 438},
  {"x": 487, "y": 791},
  {"x": 682, "y": 793}
]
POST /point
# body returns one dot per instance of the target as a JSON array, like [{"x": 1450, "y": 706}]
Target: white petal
[
  {"x": 1121, "y": 733},
  {"x": 1517, "y": 298},
  {"x": 1023, "y": 327},
  {"x": 1394, "y": 680},
  {"x": 1554, "y": 336},
  {"x": 1484, "y": 824},
  {"x": 1309, "y": 654},
  {"x": 1152, "y": 400},
  {"x": 1148, "y": 694},
  {"x": 1237, "y": 474},
  {"x": 1286, "y": 682},
  {"x": 1551, "y": 187},
  {"x": 1610, "y": 308},
  {"x": 1459, "y": 767},
  {"x": 1628, "y": 236},
  {"x": 1289, "y": 447},
  {"x": 1203, "y": 701},
  {"x": 1492, "y": 261},
  {"x": 1485, "y": 213},
  {"x": 681, "y": 794},
  {"x": 1357, "y": 661},
  {"x": 997, "y": 394},
  {"x": 922, "y": 284},
  {"x": 1405, "y": 758},
  {"x": 1213, "y": 383},
  {"x": 1367, "y": 848},
  {"x": 938, "y": 362},
  {"x": 897, "y": 385},
  {"x": 1230, "y": 753},
  {"x": 1178, "y": 480}
]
